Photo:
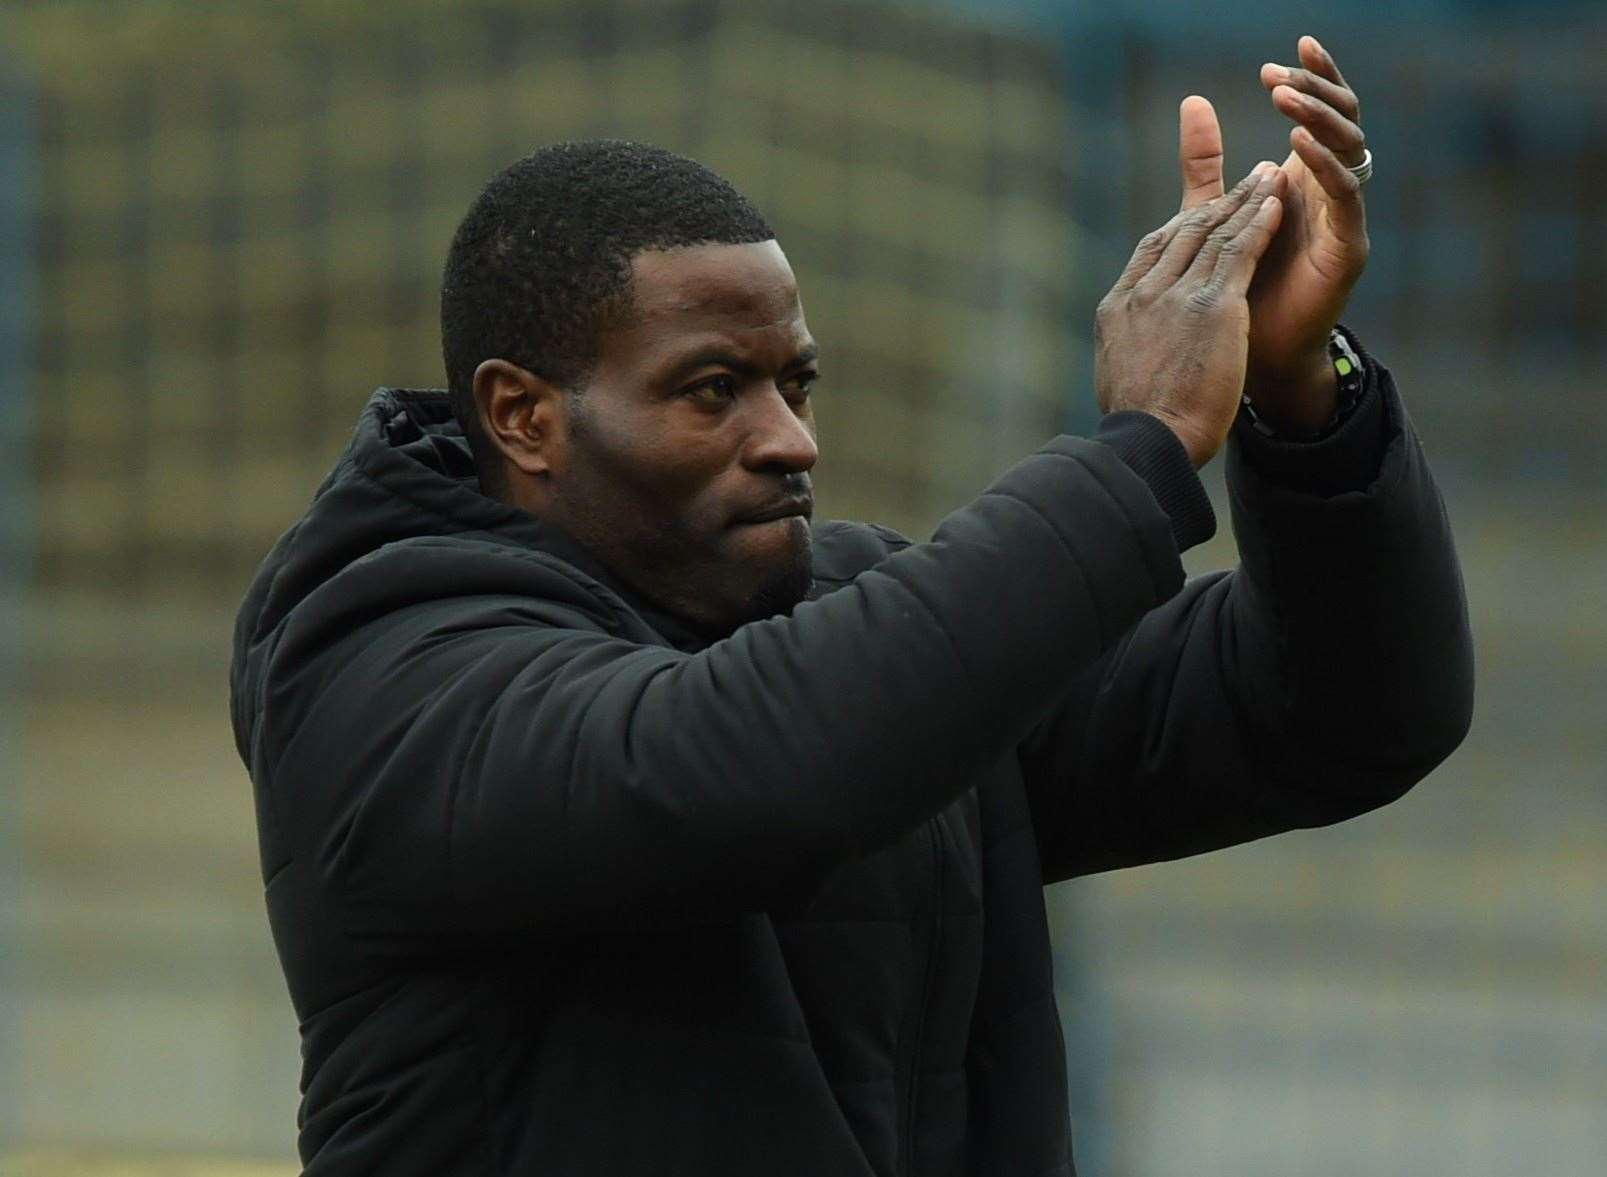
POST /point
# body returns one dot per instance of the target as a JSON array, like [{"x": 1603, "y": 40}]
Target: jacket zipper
[{"x": 934, "y": 836}]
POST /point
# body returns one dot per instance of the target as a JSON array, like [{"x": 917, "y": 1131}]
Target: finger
[
  {"x": 1148, "y": 252},
  {"x": 1317, "y": 59},
  {"x": 1150, "y": 248},
  {"x": 1195, "y": 226},
  {"x": 1236, "y": 262},
  {"x": 1341, "y": 98},
  {"x": 1199, "y": 151},
  {"x": 1345, "y": 210},
  {"x": 1331, "y": 128},
  {"x": 1225, "y": 237}
]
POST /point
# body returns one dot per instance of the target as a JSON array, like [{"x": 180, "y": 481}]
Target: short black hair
[{"x": 541, "y": 263}]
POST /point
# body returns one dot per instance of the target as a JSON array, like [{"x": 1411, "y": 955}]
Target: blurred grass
[
  {"x": 247, "y": 207},
  {"x": 53, "y": 1163}
]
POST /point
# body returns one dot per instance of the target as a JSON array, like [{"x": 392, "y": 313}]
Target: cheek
[{"x": 673, "y": 485}]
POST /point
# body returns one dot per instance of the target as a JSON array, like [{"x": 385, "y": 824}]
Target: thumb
[{"x": 1199, "y": 151}]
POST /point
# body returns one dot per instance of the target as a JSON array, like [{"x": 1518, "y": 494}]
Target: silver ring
[{"x": 1364, "y": 170}]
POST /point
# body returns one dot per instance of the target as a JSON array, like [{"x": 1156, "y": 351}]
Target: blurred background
[{"x": 222, "y": 225}]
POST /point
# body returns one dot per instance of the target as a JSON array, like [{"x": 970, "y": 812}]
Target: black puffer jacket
[{"x": 560, "y": 890}]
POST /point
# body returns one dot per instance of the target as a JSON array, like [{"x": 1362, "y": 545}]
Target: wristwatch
[{"x": 1348, "y": 367}]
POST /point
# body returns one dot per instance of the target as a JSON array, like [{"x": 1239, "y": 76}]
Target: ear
[{"x": 524, "y": 417}]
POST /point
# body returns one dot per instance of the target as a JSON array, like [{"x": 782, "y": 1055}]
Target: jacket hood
[
  {"x": 407, "y": 477},
  {"x": 406, "y": 474}
]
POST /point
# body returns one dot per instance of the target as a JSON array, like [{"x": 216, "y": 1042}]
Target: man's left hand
[{"x": 1307, "y": 275}]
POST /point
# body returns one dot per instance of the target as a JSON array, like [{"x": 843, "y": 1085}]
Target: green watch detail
[{"x": 1351, "y": 372}]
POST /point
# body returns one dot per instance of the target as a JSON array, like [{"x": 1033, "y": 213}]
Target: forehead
[{"x": 703, "y": 287}]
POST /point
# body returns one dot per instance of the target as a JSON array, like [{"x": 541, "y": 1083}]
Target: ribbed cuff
[
  {"x": 1152, "y": 451},
  {"x": 1346, "y": 459}
]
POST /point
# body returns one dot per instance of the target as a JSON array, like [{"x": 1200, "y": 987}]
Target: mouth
[{"x": 800, "y": 507}]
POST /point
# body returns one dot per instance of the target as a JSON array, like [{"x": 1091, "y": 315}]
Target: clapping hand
[
  {"x": 1170, "y": 339},
  {"x": 1302, "y": 284}
]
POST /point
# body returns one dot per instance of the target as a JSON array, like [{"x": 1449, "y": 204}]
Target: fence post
[{"x": 17, "y": 199}]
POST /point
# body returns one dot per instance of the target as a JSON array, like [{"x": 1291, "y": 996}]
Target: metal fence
[
  {"x": 237, "y": 246},
  {"x": 239, "y": 218},
  {"x": 1419, "y": 991},
  {"x": 243, "y": 213}
]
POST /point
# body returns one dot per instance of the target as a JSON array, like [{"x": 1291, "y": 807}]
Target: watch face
[
  {"x": 1344, "y": 356},
  {"x": 1348, "y": 365}
]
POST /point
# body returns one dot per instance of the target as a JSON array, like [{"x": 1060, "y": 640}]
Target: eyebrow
[{"x": 712, "y": 356}]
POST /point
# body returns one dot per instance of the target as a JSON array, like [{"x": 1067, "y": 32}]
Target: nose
[{"x": 781, "y": 437}]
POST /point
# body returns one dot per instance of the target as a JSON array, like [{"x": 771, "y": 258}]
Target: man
[{"x": 617, "y": 819}]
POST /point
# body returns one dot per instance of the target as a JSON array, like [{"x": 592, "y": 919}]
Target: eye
[
  {"x": 797, "y": 389},
  {"x": 713, "y": 392}
]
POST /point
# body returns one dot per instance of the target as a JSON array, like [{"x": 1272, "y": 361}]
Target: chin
[{"x": 786, "y": 581}]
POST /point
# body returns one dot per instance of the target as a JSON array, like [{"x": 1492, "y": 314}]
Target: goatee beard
[{"x": 782, "y": 593}]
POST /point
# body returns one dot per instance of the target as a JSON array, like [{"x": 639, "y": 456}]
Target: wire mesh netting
[{"x": 239, "y": 217}]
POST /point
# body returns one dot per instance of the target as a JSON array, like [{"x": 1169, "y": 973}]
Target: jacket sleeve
[
  {"x": 1322, "y": 678},
  {"x": 472, "y": 763}
]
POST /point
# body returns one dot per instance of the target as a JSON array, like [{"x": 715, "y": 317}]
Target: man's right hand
[{"x": 1172, "y": 336}]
